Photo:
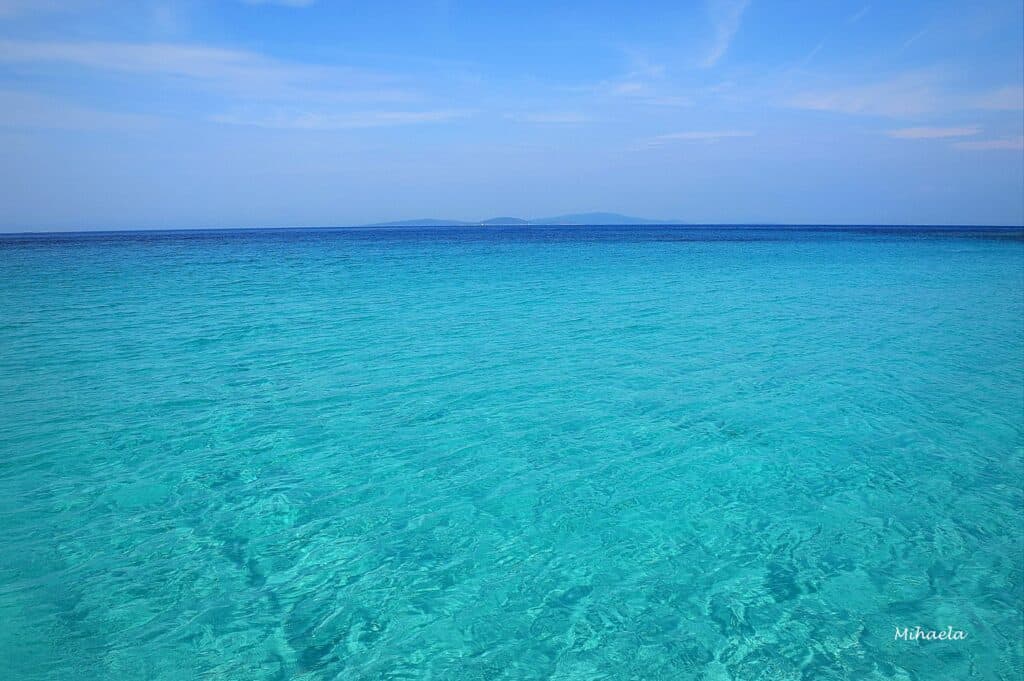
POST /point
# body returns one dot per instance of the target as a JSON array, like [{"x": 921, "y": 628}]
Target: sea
[{"x": 566, "y": 453}]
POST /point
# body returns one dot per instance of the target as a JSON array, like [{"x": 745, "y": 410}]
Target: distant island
[{"x": 590, "y": 219}]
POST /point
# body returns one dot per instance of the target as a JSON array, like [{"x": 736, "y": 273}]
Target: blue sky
[{"x": 158, "y": 114}]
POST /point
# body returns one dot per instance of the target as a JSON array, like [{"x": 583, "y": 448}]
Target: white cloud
[
  {"x": 914, "y": 38},
  {"x": 644, "y": 83},
  {"x": 905, "y": 95},
  {"x": 697, "y": 136},
  {"x": 253, "y": 89},
  {"x": 342, "y": 121},
  {"x": 30, "y": 111},
  {"x": 11, "y": 8},
  {"x": 813, "y": 52},
  {"x": 859, "y": 14},
  {"x": 643, "y": 92},
  {"x": 552, "y": 117},
  {"x": 1006, "y": 144},
  {"x": 1010, "y": 98},
  {"x": 725, "y": 19},
  {"x": 628, "y": 88},
  {"x": 933, "y": 133},
  {"x": 284, "y": 3},
  {"x": 669, "y": 100},
  {"x": 637, "y": 82},
  {"x": 191, "y": 61},
  {"x": 237, "y": 71}
]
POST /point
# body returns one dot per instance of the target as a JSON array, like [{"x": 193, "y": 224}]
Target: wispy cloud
[
  {"x": 914, "y": 38},
  {"x": 1010, "y": 98},
  {"x": 637, "y": 82},
  {"x": 342, "y": 121},
  {"x": 191, "y": 61},
  {"x": 859, "y": 14},
  {"x": 284, "y": 3},
  {"x": 645, "y": 83},
  {"x": 905, "y": 95},
  {"x": 629, "y": 88},
  {"x": 11, "y": 8},
  {"x": 237, "y": 71},
  {"x": 813, "y": 53},
  {"x": 550, "y": 117},
  {"x": 252, "y": 89},
  {"x": 30, "y": 111},
  {"x": 645, "y": 92},
  {"x": 933, "y": 133},
  {"x": 1005, "y": 144},
  {"x": 725, "y": 19},
  {"x": 708, "y": 136}
]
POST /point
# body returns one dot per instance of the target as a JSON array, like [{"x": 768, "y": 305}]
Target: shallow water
[{"x": 523, "y": 453}]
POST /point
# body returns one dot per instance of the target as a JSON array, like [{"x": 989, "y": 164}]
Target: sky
[{"x": 276, "y": 113}]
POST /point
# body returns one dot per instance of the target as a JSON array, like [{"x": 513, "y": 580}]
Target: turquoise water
[{"x": 511, "y": 454}]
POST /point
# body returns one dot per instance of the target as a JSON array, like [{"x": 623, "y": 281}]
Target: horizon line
[{"x": 480, "y": 225}]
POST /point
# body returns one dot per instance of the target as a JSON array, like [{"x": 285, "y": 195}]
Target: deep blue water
[{"x": 523, "y": 453}]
